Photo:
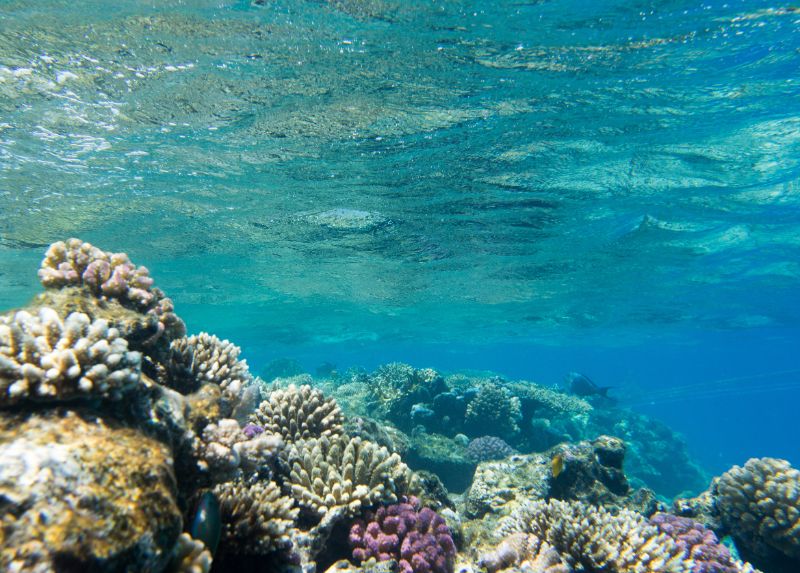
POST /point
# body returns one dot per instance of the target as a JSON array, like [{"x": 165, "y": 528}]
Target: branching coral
[
  {"x": 256, "y": 518},
  {"x": 328, "y": 473},
  {"x": 109, "y": 275},
  {"x": 418, "y": 539},
  {"x": 299, "y": 413},
  {"x": 225, "y": 448},
  {"x": 394, "y": 388},
  {"x": 597, "y": 540},
  {"x": 524, "y": 552},
  {"x": 493, "y": 411},
  {"x": 204, "y": 358},
  {"x": 699, "y": 543},
  {"x": 44, "y": 358},
  {"x": 190, "y": 556},
  {"x": 760, "y": 505}
]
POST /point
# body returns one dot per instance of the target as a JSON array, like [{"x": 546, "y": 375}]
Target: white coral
[{"x": 43, "y": 357}]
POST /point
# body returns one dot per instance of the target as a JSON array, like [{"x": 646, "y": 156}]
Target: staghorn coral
[
  {"x": 108, "y": 275},
  {"x": 418, "y": 539},
  {"x": 299, "y": 413},
  {"x": 493, "y": 410},
  {"x": 256, "y": 518},
  {"x": 699, "y": 543},
  {"x": 488, "y": 448},
  {"x": 328, "y": 473},
  {"x": 225, "y": 449},
  {"x": 190, "y": 556},
  {"x": 204, "y": 358},
  {"x": 524, "y": 552},
  {"x": 597, "y": 540},
  {"x": 43, "y": 358},
  {"x": 759, "y": 504}
]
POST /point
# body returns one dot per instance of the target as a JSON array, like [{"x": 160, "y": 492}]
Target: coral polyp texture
[
  {"x": 699, "y": 543},
  {"x": 524, "y": 552},
  {"x": 342, "y": 472},
  {"x": 488, "y": 448},
  {"x": 759, "y": 504},
  {"x": 596, "y": 539},
  {"x": 225, "y": 449},
  {"x": 299, "y": 413},
  {"x": 190, "y": 556},
  {"x": 110, "y": 275},
  {"x": 256, "y": 518},
  {"x": 45, "y": 358},
  {"x": 418, "y": 539},
  {"x": 493, "y": 410},
  {"x": 204, "y": 358}
]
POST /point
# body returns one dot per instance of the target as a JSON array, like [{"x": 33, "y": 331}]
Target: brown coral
[
  {"x": 44, "y": 358},
  {"x": 597, "y": 540},
  {"x": 299, "y": 413},
  {"x": 760, "y": 505},
  {"x": 256, "y": 518},
  {"x": 524, "y": 552},
  {"x": 190, "y": 556},
  {"x": 342, "y": 472}
]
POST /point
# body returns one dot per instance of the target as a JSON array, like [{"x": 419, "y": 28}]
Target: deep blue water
[{"x": 526, "y": 187}]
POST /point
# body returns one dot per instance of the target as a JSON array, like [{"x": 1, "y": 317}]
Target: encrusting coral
[
  {"x": 110, "y": 275},
  {"x": 759, "y": 504},
  {"x": 256, "y": 518},
  {"x": 598, "y": 540},
  {"x": 524, "y": 552},
  {"x": 46, "y": 359},
  {"x": 342, "y": 472},
  {"x": 299, "y": 413}
]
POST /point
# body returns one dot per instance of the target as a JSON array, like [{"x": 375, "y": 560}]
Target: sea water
[{"x": 530, "y": 188}]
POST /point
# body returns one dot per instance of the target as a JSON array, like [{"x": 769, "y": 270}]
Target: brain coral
[
  {"x": 256, "y": 518},
  {"x": 595, "y": 539},
  {"x": 760, "y": 505},
  {"x": 299, "y": 413},
  {"x": 45, "y": 358},
  {"x": 328, "y": 473},
  {"x": 418, "y": 539},
  {"x": 109, "y": 275}
]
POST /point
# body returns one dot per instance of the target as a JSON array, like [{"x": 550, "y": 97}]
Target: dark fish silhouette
[{"x": 580, "y": 385}]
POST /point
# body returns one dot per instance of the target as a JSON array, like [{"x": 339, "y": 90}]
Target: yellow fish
[{"x": 557, "y": 465}]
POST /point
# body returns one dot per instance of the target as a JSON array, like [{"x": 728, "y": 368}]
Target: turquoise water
[{"x": 527, "y": 187}]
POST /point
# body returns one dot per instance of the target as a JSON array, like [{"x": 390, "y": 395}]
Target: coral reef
[
  {"x": 108, "y": 275},
  {"x": 488, "y": 448},
  {"x": 700, "y": 544},
  {"x": 493, "y": 411},
  {"x": 441, "y": 455},
  {"x": 82, "y": 493},
  {"x": 226, "y": 449},
  {"x": 190, "y": 556},
  {"x": 43, "y": 358},
  {"x": 204, "y": 358},
  {"x": 299, "y": 413},
  {"x": 597, "y": 540},
  {"x": 759, "y": 504},
  {"x": 256, "y": 518},
  {"x": 395, "y": 388},
  {"x": 418, "y": 539},
  {"x": 351, "y": 473},
  {"x": 524, "y": 552}
]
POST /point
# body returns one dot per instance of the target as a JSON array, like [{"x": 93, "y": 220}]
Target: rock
[
  {"x": 499, "y": 486},
  {"x": 79, "y": 493},
  {"x": 442, "y": 456}
]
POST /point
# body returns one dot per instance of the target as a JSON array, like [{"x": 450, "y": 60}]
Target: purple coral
[
  {"x": 418, "y": 539},
  {"x": 488, "y": 448},
  {"x": 699, "y": 542}
]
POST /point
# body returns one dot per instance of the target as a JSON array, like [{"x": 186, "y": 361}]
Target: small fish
[
  {"x": 580, "y": 385},
  {"x": 557, "y": 465},
  {"x": 207, "y": 523}
]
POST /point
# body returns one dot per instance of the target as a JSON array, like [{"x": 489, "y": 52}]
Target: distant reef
[{"x": 128, "y": 445}]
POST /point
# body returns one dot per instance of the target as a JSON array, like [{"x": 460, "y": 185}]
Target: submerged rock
[{"x": 79, "y": 493}]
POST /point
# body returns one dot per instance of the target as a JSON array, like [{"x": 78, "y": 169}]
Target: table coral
[
  {"x": 45, "y": 358},
  {"x": 418, "y": 538}
]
